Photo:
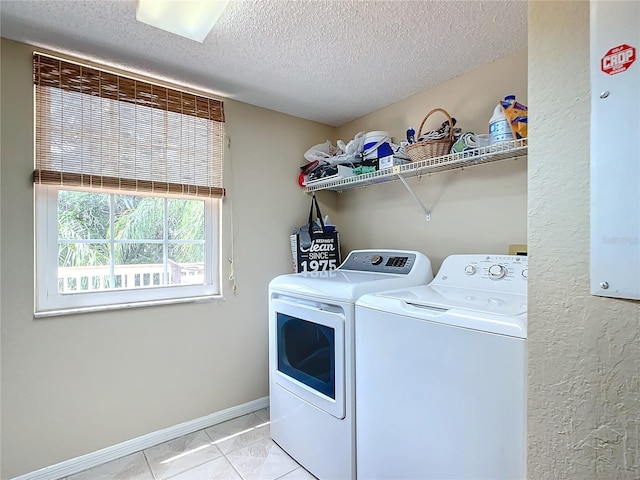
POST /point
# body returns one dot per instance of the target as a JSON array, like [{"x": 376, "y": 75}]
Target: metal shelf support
[{"x": 416, "y": 198}]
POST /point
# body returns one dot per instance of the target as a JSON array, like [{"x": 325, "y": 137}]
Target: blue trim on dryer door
[{"x": 306, "y": 352}]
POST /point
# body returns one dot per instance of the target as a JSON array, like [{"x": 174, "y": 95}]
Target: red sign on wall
[{"x": 618, "y": 59}]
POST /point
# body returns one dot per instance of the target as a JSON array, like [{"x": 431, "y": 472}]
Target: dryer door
[{"x": 307, "y": 351}]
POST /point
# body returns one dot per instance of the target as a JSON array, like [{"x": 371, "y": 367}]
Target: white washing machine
[
  {"x": 311, "y": 354},
  {"x": 441, "y": 374}
]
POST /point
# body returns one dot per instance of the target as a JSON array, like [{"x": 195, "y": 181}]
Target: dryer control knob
[
  {"x": 525, "y": 273},
  {"x": 469, "y": 269},
  {"x": 376, "y": 260},
  {"x": 496, "y": 272}
]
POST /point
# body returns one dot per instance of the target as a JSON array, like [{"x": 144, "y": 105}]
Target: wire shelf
[{"x": 502, "y": 151}]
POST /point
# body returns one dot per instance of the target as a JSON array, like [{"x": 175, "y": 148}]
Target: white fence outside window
[{"x": 98, "y": 278}]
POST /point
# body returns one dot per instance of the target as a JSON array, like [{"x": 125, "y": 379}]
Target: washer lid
[
  {"x": 448, "y": 298},
  {"x": 345, "y": 285}
]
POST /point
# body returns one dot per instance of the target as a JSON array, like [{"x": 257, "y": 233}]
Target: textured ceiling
[{"x": 324, "y": 60}]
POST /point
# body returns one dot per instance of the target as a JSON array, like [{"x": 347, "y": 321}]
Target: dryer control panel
[
  {"x": 504, "y": 273},
  {"x": 382, "y": 261}
]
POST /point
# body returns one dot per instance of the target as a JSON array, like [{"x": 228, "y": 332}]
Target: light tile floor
[{"x": 239, "y": 449}]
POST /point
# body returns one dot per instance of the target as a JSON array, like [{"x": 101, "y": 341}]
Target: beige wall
[
  {"x": 477, "y": 210},
  {"x": 584, "y": 387},
  {"x": 75, "y": 384}
]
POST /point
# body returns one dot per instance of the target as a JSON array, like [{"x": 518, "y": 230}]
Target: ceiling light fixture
[{"x": 192, "y": 19}]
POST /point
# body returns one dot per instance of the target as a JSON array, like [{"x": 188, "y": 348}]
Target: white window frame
[{"x": 49, "y": 301}]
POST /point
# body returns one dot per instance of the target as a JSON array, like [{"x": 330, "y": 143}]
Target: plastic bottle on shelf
[{"x": 499, "y": 126}]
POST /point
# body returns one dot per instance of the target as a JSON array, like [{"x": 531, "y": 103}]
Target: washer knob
[
  {"x": 525, "y": 273},
  {"x": 496, "y": 272},
  {"x": 469, "y": 269},
  {"x": 376, "y": 260}
]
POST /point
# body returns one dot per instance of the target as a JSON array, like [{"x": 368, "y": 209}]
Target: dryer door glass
[{"x": 306, "y": 352}]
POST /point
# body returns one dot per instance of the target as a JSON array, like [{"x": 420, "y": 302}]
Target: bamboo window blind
[{"x": 98, "y": 129}]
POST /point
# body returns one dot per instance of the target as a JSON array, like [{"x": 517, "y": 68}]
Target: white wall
[
  {"x": 75, "y": 384},
  {"x": 584, "y": 351},
  {"x": 481, "y": 209}
]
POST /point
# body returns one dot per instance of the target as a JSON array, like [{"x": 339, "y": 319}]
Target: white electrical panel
[{"x": 615, "y": 149}]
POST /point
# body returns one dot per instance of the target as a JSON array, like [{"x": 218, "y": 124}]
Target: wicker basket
[{"x": 431, "y": 148}]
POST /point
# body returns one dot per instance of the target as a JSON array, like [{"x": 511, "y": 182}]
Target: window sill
[{"x": 120, "y": 306}]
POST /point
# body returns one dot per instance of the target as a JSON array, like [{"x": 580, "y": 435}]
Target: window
[{"x": 128, "y": 185}]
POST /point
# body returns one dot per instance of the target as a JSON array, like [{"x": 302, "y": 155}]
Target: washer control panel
[
  {"x": 380, "y": 261},
  {"x": 506, "y": 273}
]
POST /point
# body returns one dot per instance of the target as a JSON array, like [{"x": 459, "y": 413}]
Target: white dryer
[
  {"x": 441, "y": 374},
  {"x": 311, "y": 354}
]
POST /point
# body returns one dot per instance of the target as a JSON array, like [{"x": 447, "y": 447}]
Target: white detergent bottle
[{"x": 499, "y": 126}]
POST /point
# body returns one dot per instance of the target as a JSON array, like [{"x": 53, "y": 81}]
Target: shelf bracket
[{"x": 413, "y": 194}]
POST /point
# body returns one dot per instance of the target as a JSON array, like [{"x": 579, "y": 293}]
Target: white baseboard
[{"x": 78, "y": 464}]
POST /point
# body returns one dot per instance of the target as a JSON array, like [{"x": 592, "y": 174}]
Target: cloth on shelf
[
  {"x": 441, "y": 133},
  {"x": 342, "y": 154}
]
